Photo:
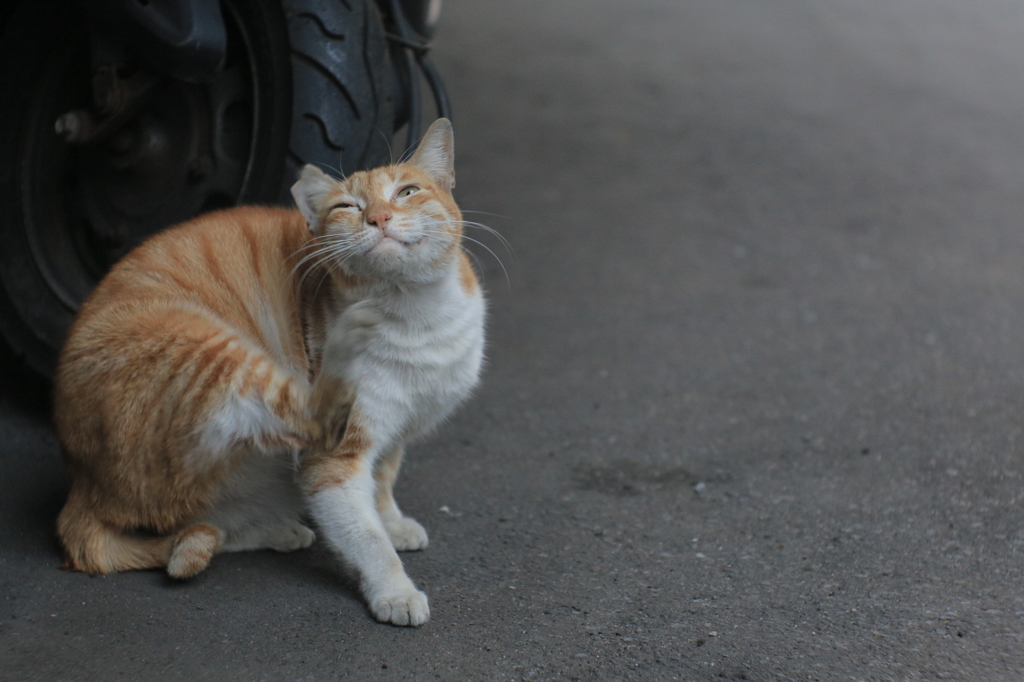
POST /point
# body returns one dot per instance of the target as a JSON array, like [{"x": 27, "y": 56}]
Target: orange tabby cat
[{"x": 205, "y": 386}]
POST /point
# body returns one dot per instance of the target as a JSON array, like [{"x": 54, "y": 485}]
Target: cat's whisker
[
  {"x": 328, "y": 256},
  {"x": 304, "y": 260},
  {"x": 443, "y": 218},
  {"x": 344, "y": 248},
  {"x": 324, "y": 276},
  {"x": 407, "y": 154},
  {"x": 317, "y": 240},
  {"x": 496, "y": 215},
  {"x": 347, "y": 257},
  {"x": 308, "y": 257},
  {"x": 339, "y": 262},
  {"x": 472, "y": 223},
  {"x": 314, "y": 268},
  {"x": 304, "y": 264},
  {"x": 328, "y": 246},
  {"x": 491, "y": 230},
  {"x": 391, "y": 154},
  {"x": 324, "y": 256},
  {"x": 317, "y": 243},
  {"x": 329, "y": 167},
  {"x": 476, "y": 258},
  {"x": 321, "y": 257},
  {"x": 507, "y": 280}
]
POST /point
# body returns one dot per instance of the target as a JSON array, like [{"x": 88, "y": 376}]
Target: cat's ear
[
  {"x": 309, "y": 193},
  {"x": 436, "y": 154}
]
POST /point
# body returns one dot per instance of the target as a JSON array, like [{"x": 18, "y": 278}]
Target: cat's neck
[{"x": 417, "y": 303}]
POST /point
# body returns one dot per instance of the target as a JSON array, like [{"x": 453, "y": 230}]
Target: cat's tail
[{"x": 93, "y": 546}]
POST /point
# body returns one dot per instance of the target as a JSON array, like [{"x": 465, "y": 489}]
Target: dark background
[{"x": 754, "y": 387}]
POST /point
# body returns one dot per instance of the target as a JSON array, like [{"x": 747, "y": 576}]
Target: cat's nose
[{"x": 379, "y": 218}]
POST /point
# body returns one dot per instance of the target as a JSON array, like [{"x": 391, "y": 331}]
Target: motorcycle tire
[{"x": 304, "y": 81}]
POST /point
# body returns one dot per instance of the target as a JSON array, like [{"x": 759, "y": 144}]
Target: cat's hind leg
[
  {"x": 405, "y": 532},
  {"x": 260, "y": 506}
]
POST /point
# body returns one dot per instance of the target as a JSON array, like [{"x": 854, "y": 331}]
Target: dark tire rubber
[
  {"x": 342, "y": 84},
  {"x": 323, "y": 93}
]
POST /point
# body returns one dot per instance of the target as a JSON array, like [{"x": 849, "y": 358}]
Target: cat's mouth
[{"x": 385, "y": 240}]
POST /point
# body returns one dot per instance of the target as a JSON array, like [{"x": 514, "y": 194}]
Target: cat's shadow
[
  {"x": 36, "y": 520},
  {"x": 313, "y": 567},
  {"x": 33, "y": 486}
]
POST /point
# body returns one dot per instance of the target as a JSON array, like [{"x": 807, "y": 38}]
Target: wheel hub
[{"x": 149, "y": 152}]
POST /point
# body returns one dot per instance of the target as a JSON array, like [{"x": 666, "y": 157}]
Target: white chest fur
[{"x": 421, "y": 359}]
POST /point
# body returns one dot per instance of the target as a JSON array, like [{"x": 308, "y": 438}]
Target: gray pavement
[{"x": 754, "y": 395}]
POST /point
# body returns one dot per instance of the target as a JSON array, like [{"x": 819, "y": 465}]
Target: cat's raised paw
[
  {"x": 361, "y": 315},
  {"x": 407, "y": 535},
  {"x": 359, "y": 325},
  {"x": 408, "y": 607},
  {"x": 331, "y": 403}
]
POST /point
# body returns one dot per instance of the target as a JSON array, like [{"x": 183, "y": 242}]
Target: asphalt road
[{"x": 755, "y": 383}]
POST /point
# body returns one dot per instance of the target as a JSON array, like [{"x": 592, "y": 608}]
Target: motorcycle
[{"x": 119, "y": 118}]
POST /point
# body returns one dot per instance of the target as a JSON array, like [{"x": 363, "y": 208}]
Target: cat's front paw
[
  {"x": 290, "y": 536},
  {"x": 406, "y": 607},
  {"x": 406, "y": 534}
]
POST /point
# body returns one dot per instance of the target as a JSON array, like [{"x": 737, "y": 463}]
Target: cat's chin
[{"x": 390, "y": 263}]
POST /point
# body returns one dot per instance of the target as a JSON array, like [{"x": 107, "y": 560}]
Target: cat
[{"x": 240, "y": 369}]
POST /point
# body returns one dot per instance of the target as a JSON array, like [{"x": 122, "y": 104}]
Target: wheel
[
  {"x": 343, "y": 111},
  {"x": 304, "y": 81}
]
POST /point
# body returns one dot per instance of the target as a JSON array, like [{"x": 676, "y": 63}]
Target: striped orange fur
[{"x": 205, "y": 311}]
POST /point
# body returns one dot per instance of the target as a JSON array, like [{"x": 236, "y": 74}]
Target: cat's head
[{"x": 394, "y": 223}]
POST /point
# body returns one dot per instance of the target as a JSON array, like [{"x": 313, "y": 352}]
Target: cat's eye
[
  {"x": 343, "y": 205},
  {"x": 407, "y": 190}
]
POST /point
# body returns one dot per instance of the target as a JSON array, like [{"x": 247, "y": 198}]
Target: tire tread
[{"x": 340, "y": 73}]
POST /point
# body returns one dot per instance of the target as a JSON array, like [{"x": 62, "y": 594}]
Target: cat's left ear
[
  {"x": 436, "y": 154},
  {"x": 309, "y": 193}
]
